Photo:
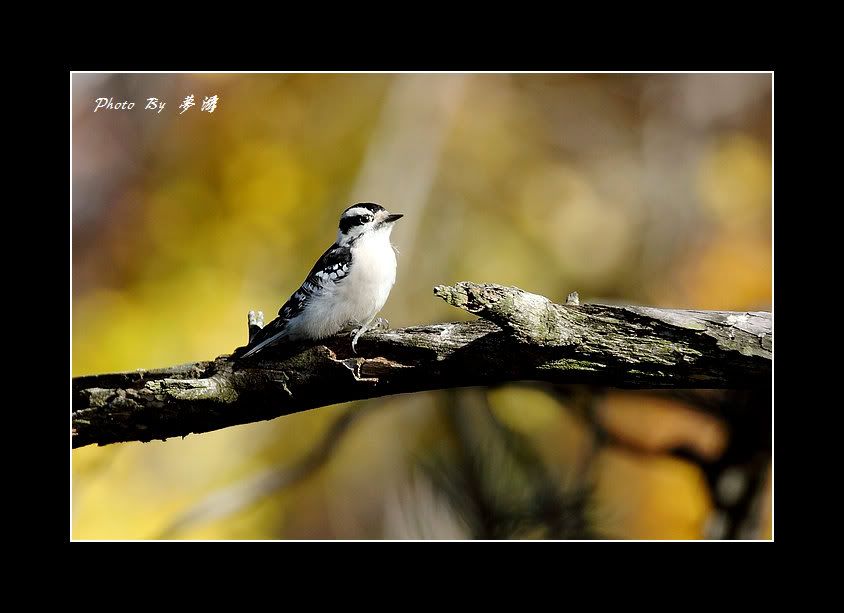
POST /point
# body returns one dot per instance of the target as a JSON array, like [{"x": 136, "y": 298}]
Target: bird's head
[{"x": 363, "y": 219}]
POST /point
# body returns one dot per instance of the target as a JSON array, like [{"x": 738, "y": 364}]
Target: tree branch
[{"x": 521, "y": 336}]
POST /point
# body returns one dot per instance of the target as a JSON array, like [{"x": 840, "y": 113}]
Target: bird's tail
[{"x": 272, "y": 339}]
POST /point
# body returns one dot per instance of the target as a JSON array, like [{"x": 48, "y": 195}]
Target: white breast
[
  {"x": 359, "y": 297},
  {"x": 371, "y": 277}
]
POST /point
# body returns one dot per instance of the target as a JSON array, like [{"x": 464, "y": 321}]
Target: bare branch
[{"x": 522, "y": 337}]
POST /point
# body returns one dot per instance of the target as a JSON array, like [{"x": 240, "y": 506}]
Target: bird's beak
[{"x": 392, "y": 218}]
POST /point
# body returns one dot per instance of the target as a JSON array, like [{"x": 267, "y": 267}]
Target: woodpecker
[{"x": 347, "y": 286}]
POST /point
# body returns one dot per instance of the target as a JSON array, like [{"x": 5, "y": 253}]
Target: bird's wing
[{"x": 330, "y": 268}]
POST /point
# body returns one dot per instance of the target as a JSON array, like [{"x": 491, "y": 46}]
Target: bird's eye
[{"x": 347, "y": 223}]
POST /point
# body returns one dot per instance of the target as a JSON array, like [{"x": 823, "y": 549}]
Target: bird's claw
[
  {"x": 377, "y": 324},
  {"x": 358, "y": 334}
]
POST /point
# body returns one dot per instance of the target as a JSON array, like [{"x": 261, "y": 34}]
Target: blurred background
[{"x": 634, "y": 188}]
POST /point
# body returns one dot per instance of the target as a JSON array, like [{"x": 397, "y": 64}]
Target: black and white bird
[{"x": 347, "y": 286}]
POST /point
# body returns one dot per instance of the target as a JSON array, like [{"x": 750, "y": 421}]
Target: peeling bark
[{"x": 521, "y": 336}]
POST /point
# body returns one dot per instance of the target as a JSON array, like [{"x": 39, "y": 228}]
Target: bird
[{"x": 347, "y": 287}]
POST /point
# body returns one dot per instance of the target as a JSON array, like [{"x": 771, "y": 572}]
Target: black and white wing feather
[{"x": 332, "y": 267}]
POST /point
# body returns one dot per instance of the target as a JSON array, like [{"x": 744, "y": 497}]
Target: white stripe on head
[{"x": 355, "y": 211}]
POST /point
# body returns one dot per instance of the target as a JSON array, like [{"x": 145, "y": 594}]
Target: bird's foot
[
  {"x": 357, "y": 334},
  {"x": 377, "y": 324},
  {"x": 351, "y": 329}
]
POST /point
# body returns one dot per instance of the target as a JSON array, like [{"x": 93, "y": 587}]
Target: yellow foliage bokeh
[{"x": 604, "y": 184}]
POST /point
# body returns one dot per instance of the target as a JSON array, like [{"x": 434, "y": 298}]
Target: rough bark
[{"x": 521, "y": 336}]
